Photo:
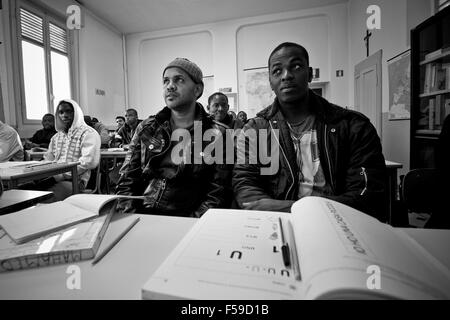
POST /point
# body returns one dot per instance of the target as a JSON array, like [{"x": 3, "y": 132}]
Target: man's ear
[
  {"x": 198, "y": 90},
  {"x": 310, "y": 76}
]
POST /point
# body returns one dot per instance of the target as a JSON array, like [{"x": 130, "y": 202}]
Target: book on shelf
[
  {"x": 446, "y": 108},
  {"x": 35, "y": 222},
  {"x": 431, "y": 111},
  {"x": 438, "y": 112},
  {"x": 334, "y": 252},
  {"x": 70, "y": 245}
]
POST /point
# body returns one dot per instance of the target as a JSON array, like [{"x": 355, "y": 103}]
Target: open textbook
[
  {"x": 336, "y": 252},
  {"x": 35, "y": 222}
]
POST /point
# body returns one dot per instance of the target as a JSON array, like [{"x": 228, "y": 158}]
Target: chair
[
  {"x": 422, "y": 192},
  {"x": 93, "y": 185}
]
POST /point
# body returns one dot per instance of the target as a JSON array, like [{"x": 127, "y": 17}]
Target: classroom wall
[
  {"x": 225, "y": 48},
  {"x": 397, "y": 17},
  {"x": 100, "y": 66}
]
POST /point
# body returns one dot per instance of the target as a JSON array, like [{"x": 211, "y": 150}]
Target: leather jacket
[
  {"x": 194, "y": 189},
  {"x": 350, "y": 155}
]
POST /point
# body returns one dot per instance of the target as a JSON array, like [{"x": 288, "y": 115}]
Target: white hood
[{"x": 78, "y": 117}]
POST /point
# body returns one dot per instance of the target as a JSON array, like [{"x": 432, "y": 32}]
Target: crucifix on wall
[{"x": 366, "y": 40}]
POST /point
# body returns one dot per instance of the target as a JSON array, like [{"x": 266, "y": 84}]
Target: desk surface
[
  {"x": 14, "y": 200},
  {"x": 19, "y": 172},
  {"x": 124, "y": 270}
]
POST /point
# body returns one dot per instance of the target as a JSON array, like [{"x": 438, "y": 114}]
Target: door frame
[{"x": 369, "y": 63}]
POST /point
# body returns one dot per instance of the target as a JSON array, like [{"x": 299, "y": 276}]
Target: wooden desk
[
  {"x": 16, "y": 176},
  {"x": 124, "y": 270},
  {"x": 392, "y": 185}
]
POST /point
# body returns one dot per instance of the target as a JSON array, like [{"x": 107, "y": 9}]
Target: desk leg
[{"x": 75, "y": 186}]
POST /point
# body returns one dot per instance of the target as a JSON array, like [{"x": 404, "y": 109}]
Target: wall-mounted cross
[{"x": 367, "y": 39}]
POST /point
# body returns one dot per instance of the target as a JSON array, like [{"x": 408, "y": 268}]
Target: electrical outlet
[{"x": 339, "y": 73}]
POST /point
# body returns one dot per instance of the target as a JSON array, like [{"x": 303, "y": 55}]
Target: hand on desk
[{"x": 269, "y": 205}]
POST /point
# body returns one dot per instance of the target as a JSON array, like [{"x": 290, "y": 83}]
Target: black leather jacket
[
  {"x": 194, "y": 189},
  {"x": 350, "y": 155}
]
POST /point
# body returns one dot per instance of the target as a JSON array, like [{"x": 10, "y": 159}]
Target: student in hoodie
[{"x": 74, "y": 141}]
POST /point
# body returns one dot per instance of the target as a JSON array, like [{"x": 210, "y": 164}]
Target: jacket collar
[{"x": 324, "y": 110}]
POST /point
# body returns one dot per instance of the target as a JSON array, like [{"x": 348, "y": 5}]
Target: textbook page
[
  {"x": 34, "y": 222},
  {"x": 228, "y": 254},
  {"x": 344, "y": 253},
  {"x": 95, "y": 202}
]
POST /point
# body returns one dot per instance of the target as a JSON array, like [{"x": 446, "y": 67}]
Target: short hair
[
  {"x": 217, "y": 94},
  {"x": 132, "y": 110},
  {"x": 242, "y": 112},
  {"x": 289, "y": 45},
  {"x": 48, "y": 115},
  {"x": 121, "y": 117},
  {"x": 94, "y": 120}
]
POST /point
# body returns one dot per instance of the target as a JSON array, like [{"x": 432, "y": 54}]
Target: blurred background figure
[
  {"x": 218, "y": 108},
  {"x": 42, "y": 137},
  {"x": 11, "y": 148},
  {"x": 100, "y": 128},
  {"x": 242, "y": 116}
]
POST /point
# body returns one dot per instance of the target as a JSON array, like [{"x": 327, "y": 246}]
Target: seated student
[
  {"x": 42, "y": 137},
  {"x": 74, "y": 141},
  {"x": 120, "y": 120},
  {"x": 125, "y": 133},
  {"x": 175, "y": 181},
  {"x": 324, "y": 150},
  {"x": 242, "y": 116},
  {"x": 10, "y": 145},
  {"x": 100, "y": 128},
  {"x": 218, "y": 108}
]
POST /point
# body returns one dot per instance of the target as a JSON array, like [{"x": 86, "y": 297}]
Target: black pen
[{"x": 284, "y": 246}]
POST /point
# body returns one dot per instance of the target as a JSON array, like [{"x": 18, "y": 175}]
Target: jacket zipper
[
  {"x": 363, "y": 173},
  {"x": 161, "y": 192},
  {"x": 290, "y": 169},
  {"x": 328, "y": 158}
]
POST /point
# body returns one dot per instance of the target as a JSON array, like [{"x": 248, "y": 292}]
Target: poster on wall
[
  {"x": 399, "y": 69},
  {"x": 257, "y": 90}
]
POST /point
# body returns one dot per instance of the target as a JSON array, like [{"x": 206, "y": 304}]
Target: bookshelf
[{"x": 430, "y": 86}]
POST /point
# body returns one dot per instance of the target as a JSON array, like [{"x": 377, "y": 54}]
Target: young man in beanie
[
  {"x": 175, "y": 181},
  {"x": 325, "y": 150}
]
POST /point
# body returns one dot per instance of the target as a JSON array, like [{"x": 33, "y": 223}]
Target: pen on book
[
  {"x": 284, "y": 246},
  {"x": 112, "y": 244}
]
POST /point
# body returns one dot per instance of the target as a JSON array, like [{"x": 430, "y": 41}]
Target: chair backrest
[{"x": 420, "y": 189}]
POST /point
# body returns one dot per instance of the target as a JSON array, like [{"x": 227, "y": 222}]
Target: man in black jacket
[
  {"x": 324, "y": 150},
  {"x": 176, "y": 176}
]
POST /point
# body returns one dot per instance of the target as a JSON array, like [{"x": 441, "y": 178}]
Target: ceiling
[{"x": 131, "y": 16}]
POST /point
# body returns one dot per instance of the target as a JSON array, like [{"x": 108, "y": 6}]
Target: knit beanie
[{"x": 190, "y": 68}]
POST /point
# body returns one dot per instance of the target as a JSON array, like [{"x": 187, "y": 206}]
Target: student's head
[
  {"x": 232, "y": 114},
  {"x": 218, "y": 106},
  {"x": 131, "y": 116},
  {"x": 94, "y": 120},
  {"x": 289, "y": 72},
  {"x": 66, "y": 114},
  {"x": 48, "y": 121},
  {"x": 182, "y": 83},
  {"x": 120, "y": 121},
  {"x": 242, "y": 116},
  {"x": 88, "y": 121}
]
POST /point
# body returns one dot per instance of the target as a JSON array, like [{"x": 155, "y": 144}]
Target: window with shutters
[{"x": 44, "y": 62}]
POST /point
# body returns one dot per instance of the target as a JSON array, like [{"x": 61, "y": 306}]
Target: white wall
[
  {"x": 101, "y": 67},
  {"x": 238, "y": 44}
]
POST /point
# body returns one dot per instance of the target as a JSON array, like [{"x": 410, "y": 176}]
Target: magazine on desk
[{"x": 336, "y": 251}]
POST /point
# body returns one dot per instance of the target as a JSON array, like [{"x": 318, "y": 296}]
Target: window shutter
[
  {"x": 31, "y": 26},
  {"x": 58, "y": 38}
]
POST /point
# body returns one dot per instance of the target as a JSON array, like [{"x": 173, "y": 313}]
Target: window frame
[{"x": 49, "y": 16}]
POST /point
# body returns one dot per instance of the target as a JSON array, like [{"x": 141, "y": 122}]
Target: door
[{"x": 368, "y": 89}]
